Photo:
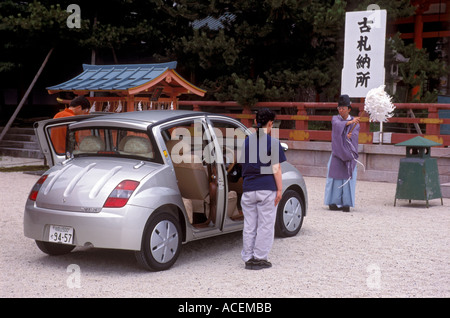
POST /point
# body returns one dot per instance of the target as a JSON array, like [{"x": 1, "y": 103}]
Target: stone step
[
  {"x": 20, "y": 142},
  {"x": 21, "y": 153},
  {"x": 19, "y": 137},
  {"x": 445, "y": 190},
  {"x": 19, "y": 130}
]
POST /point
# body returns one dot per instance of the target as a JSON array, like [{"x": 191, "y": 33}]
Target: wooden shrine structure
[{"x": 129, "y": 87}]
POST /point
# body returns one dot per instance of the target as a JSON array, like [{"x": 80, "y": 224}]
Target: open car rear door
[{"x": 52, "y": 136}]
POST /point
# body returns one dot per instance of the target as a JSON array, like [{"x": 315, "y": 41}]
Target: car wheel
[
  {"x": 54, "y": 248},
  {"x": 290, "y": 213},
  {"x": 161, "y": 243}
]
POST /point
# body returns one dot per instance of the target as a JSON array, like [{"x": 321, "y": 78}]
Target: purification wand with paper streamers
[{"x": 379, "y": 107}]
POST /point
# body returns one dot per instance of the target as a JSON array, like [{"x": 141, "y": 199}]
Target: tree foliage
[
  {"x": 263, "y": 50},
  {"x": 275, "y": 49},
  {"x": 417, "y": 70}
]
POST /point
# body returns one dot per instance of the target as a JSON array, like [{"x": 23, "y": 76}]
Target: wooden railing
[{"x": 300, "y": 118}]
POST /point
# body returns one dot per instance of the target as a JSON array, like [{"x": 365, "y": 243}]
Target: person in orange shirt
[{"x": 78, "y": 106}]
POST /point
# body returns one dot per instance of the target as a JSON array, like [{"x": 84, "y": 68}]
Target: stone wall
[{"x": 381, "y": 161}]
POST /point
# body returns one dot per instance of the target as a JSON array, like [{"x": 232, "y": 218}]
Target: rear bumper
[{"x": 111, "y": 228}]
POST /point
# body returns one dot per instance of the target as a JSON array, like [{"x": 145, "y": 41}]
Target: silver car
[{"x": 146, "y": 181}]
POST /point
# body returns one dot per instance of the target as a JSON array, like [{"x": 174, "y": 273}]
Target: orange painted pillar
[
  {"x": 418, "y": 41},
  {"x": 301, "y": 124},
  {"x": 130, "y": 103},
  {"x": 432, "y": 128},
  {"x": 418, "y": 30},
  {"x": 247, "y": 121}
]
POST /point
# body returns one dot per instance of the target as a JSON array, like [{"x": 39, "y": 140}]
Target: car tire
[
  {"x": 161, "y": 243},
  {"x": 290, "y": 214},
  {"x": 54, "y": 248}
]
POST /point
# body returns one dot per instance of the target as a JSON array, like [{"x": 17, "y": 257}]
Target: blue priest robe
[{"x": 342, "y": 172}]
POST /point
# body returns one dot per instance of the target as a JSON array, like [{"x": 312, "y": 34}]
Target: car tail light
[
  {"x": 120, "y": 195},
  {"x": 37, "y": 186}
]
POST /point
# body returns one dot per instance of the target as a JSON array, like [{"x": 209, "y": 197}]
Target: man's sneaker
[
  {"x": 261, "y": 264},
  {"x": 249, "y": 264}
]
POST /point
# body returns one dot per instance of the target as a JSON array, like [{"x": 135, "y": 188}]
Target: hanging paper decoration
[
  {"x": 139, "y": 106},
  {"x": 378, "y": 105},
  {"x": 108, "y": 106},
  {"x": 92, "y": 108},
  {"x": 119, "y": 107}
]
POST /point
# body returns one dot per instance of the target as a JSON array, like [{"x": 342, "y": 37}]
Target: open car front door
[{"x": 52, "y": 136}]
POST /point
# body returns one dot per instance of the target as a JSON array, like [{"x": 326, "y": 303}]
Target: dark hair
[
  {"x": 263, "y": 116},
  {"x": 80, "y": 101}
]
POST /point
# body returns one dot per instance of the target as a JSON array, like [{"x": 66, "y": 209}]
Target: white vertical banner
[{"x": 365, "y": 38}]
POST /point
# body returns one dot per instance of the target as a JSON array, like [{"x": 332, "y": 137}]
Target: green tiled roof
[{"x": 418, "y": 142}]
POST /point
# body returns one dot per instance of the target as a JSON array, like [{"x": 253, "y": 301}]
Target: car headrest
[
  {"x": 92, "y": 144},
  {"x": 137, "y": 145}
]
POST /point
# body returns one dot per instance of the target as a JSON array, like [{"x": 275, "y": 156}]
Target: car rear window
[{"x": 116, "y": 142}]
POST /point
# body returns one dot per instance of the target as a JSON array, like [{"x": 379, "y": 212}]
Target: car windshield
[{"x": 107, "y": 141}]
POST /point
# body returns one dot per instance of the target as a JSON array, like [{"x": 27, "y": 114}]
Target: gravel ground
[{"x": 376, "y": 250}]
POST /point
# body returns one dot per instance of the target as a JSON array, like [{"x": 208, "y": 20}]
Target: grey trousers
[{"x": 259, "y": 220}]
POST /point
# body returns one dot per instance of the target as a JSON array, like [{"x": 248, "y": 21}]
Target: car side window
[
  {"x": 231, "y": 138},
  {"x": 185, "y": 139},
  {"x": 58, "y": 137}
]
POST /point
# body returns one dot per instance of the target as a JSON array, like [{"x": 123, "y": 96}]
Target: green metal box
[{"x": 418, "y": 175}]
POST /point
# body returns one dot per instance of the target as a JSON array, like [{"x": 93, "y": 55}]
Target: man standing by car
[
  {"x": 78, "y": 106},
  {"x": 262, "y": 190}
]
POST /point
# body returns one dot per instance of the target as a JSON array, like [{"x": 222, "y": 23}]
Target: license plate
[{"x": 61, "y": 234}]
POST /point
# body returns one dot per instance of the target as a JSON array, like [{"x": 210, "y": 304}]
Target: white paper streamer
[
  {"x": 92, "y": 110},
  {"x": 108, "y": 106},
  {"x": 119, "y": 107},
  {"x": 378, "y": 105}
]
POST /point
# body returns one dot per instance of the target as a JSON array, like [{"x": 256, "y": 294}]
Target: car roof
[
  {"x": 139, "y": 119},
  {"x": 149, "y": 116}
]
